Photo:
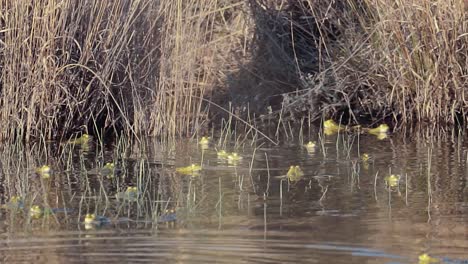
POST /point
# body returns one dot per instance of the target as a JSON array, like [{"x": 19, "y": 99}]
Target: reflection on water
[{"x": 355, "y": 200}]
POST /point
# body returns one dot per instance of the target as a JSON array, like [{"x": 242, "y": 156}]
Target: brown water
[{"x": 340, "y": 211}]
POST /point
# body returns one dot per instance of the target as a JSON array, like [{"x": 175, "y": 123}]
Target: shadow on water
[{"x": 341, "y": 208}]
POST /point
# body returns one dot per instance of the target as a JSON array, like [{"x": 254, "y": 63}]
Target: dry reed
[
  {"x": 150, "y": 67},
  {"x": 400, "y": 61},
  {"x": 140, "y": 67}
]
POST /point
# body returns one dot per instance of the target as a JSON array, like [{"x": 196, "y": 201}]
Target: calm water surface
[{"x": 340, "y": 211}]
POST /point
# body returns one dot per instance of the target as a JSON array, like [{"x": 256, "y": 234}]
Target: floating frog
[
  {"x": 37, "y": 212},
  {"x": 96, "y": 220},
  {"x": 15, "y": 203},
  {"x": 365, "y": 157},
  {"x": 189, "y": 170},
  {"x": 84, "y": 139},
  {"x": 383, "y": 128},
  {"x": 310, "y": 146},
  {"x": 204, "y": 141},
  {"x": 426, "y": 259},
  {"x": 381, "y": 136},
  {"x": 294, "y": 173},
  {"x": 222, "y": 154},
  {"x": 108, "y": 170},
  {"x": 44, "y": 171},
  {"x": 168, "y": 216},
  {"x": 234, "y": 157},
  {"x": 392, "y": 180},
  {"x": 332, "y": 126},
  {"x": 91, "y": 221},
  {"x": 130, "y": 194}
]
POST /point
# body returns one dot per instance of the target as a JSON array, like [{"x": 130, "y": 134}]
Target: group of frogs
[
  {"x": 109, "y": 170},
  {"x": 295, "y": 172}
]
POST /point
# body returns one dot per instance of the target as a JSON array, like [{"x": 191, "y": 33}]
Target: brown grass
[
  {"x": 148, "y": 67},
  {"x": 199, "y": 37},
  {"x": 140, "y": 67},
  {"x": 402, "y": 61},
  {"x": 416, "y": 54}
]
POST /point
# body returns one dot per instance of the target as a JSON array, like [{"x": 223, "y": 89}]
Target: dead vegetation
[
  {"x": 139, "y": 67},
  {"x": 403, "y": 62},
  {"x": 151, "y": 67}
]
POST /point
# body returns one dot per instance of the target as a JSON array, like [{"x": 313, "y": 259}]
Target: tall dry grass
[
  {"x": 199, "y": 39},
  {"x": 421, "y": 47},
  {"x": 399, "y": 61},
  {"x": 62, "y": 62},
  {"x": 141, "y": 67},
  {"x": 151, "y": 67}
]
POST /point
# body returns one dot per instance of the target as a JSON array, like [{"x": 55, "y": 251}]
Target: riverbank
[{"x": 166, "y": 69}]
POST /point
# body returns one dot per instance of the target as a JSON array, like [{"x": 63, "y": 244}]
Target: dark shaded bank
[
  {"x": 285, "y": 46},
  {"x": 156, "y": 67}
]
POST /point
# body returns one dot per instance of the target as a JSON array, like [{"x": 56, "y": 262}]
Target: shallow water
[{"x": 340, "y": 211}]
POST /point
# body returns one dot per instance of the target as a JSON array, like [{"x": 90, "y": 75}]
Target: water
[{"x": 340, "y": 211}]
